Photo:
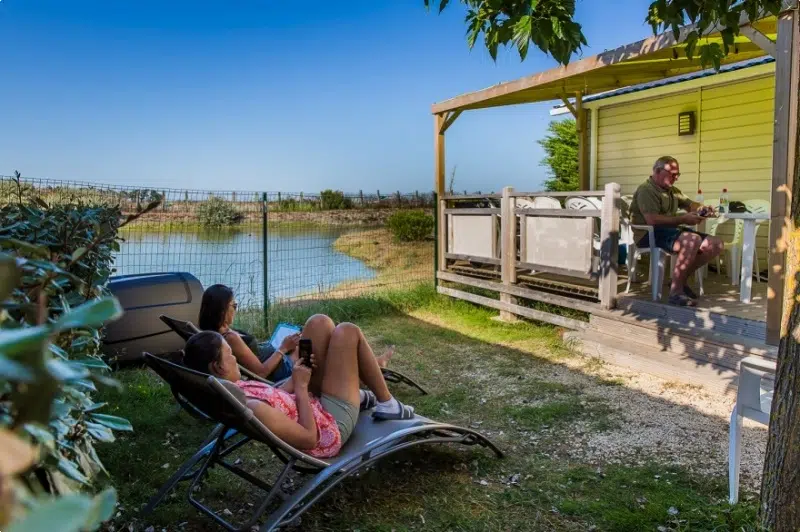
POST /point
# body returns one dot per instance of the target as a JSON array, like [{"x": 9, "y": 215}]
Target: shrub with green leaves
[
  {"x": 216, "y": 212},
  {"x": 409, "y": 226},
  {"x": 332, "y": 200},
  {"x": 55, "y": 262}
]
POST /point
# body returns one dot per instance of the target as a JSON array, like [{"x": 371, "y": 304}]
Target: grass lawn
[{"x": 576, "y": 455}]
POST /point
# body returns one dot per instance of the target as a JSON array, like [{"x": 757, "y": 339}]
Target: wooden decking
[
  {"x": 720, "y": 296},
  {"x": 700, "y": 346}
]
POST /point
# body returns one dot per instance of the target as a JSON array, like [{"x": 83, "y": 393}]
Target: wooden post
[
  {"x": 438, "y": 180},
  {"x": 361, "y": 197},
  {"x": 583, "y": 141},
  {"x": 508, "y": 249},
  {"x": 783, "y": 166},
  {"x": 609, "y": 246},
  {"x": 399, "y": 200}
]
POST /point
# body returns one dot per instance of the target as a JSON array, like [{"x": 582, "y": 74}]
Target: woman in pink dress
[{"x": 317, "y": 409}]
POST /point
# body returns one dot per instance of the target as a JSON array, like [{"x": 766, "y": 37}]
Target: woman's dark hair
[
  {"x": 213, "y": 307},
  {"x": 202, "y": 349}
]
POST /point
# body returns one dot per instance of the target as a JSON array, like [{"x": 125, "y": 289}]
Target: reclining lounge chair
[
  {"x": 185, "y": 329},
  {"x": 371, "y": 441}
]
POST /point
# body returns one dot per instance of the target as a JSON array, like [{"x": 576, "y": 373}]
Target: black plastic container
[{"x": 144, "y": 298}]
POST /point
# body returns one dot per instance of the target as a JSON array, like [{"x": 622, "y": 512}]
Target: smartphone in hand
[{"x": 305, "y": 351}]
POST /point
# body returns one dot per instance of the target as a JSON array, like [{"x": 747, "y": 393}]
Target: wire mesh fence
[{"x": 275, "y": 245}]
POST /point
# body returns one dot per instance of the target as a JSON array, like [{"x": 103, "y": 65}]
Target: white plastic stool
[{"x": 753, "y": 401}]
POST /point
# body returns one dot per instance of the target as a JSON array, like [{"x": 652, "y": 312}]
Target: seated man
[{"x": 656, "y": 203}]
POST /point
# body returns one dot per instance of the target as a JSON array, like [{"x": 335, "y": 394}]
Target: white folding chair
[{"x": 753, "y": 401}]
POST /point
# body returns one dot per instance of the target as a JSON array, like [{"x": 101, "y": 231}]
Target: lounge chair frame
[
  {"x": 185, "y": 329},
  {"x": 371, "y": 441}
]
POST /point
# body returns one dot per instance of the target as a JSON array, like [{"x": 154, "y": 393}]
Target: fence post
[
  {"x": 361, "y": 197},
  {"x": 279, "y": 199},
  {"x": 399, "y": 201},
  {"x": 435, "y": 244},
  {"x": 508, "y": 249},
  {"x": 264, "y": 257},
  {"x": 609, "y": 246}
]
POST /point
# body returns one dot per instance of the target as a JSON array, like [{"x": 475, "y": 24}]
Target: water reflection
[{"x": 300, "y": 260}]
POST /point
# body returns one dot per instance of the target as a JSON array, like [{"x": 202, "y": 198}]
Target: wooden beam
[
  {"x": 438, "y": 178},
  {"x": 451, "y": 117},
  {"x": 787, "y": 70},
  {"x": 583, "y": 142},
  {"x": 524, "y": 293},
  {"x": 508, "y": 249},
  {"x": 759, "y": 39},
  {"x": 629, "y": 52},
  {"x": 569, "y": 106},
  {"x": 511, "y": 308},
  {"x": 609, "y": 246}
]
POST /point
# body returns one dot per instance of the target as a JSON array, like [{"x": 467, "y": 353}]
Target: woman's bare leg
[
  {"x": 319, "y": 328},
  {"x": 350, "y": 359}
]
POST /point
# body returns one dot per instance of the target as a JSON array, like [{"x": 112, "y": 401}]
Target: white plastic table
[{"x": 748, "y": 249}]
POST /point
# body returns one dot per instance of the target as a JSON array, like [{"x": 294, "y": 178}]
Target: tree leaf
[
  {"x": 14, "y": 371},
  {"x": 42, "y": 436},
  {"x": 102, "y": 509},
  {"x": 78, "y": 253},
  {"x": 15, "y": 342},
  {"x": 9, "y": 275},
  {"x": 25, "y": 247},
  {"x": 100, "y": 432},
  {"x": 91, "y": 362},
  {"x": 64, "y": 514},
  {"x": 102, "y": 380},
  {"x": 92, "y": 314},
  {"x": 113, "y": 422},
  {"x": 63, "y": 371},
  {"x": 71, "y": 470}
]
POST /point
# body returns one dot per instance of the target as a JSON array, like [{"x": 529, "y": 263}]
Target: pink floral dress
[{"x": 329, "y": 439}]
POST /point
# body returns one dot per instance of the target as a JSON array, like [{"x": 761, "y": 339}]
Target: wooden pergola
[{"x": 661, "y": 57}]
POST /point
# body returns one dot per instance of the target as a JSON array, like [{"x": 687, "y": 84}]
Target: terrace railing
[{"x": 540, "y": 250}]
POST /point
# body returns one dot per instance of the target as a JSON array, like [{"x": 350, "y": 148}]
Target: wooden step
[
  {"x": 638, "y": 357},
  {"x": 701, "y": 344},
  {"x": 693, "y": 317}
]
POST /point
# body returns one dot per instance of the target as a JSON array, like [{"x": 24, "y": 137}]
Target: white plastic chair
[
  {"x": 758, "y": 207},
  {"x": 579, "y": 203},
  {"x": 753, "y": 401},
  {"x": 658, "y": 256},
  {"x": 539, "y": 202}
]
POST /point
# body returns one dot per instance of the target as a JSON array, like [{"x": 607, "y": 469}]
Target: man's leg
[
  {"x": 710, "y": 249},
  {"x": 687, "y": 246}
]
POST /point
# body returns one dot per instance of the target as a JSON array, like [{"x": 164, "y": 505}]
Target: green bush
[
  {"x": 332, "y": 200},
  {"x": 408, "y": 226},
  {"x": 216, "y": 212},
  {"x": 55, "y": 261}
]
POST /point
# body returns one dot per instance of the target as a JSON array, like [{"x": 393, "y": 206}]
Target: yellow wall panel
[{"x": 732, "y": 146}]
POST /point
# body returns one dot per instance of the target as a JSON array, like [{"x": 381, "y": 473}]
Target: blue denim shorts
[
  {"x": 666, "y": 236},
  {"x": 283, "y": 370}
]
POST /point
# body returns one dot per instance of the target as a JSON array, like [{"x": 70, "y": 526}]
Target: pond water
[{"x": 299, "y": 260}]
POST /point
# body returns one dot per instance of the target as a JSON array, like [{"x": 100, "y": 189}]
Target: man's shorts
[{"x": 666, "y": 236}]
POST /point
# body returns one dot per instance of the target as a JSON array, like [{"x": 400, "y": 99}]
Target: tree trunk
[{"x": 779, "y": 510}]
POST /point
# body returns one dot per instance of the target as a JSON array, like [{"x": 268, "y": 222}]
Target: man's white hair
[{"x": 662, "y": 162}]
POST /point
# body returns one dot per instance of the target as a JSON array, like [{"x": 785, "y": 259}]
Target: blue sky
[{"x": 258, "y": 95}]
